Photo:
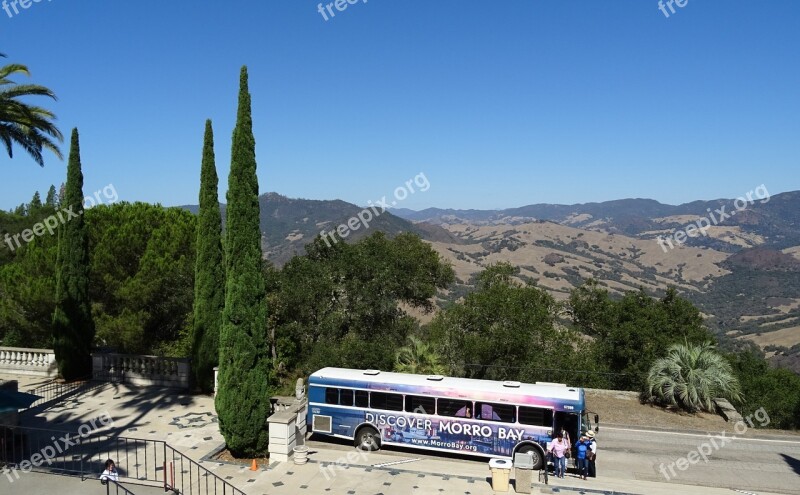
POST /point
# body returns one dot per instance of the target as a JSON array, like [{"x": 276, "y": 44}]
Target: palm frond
[{"x": 28, "y": 126}]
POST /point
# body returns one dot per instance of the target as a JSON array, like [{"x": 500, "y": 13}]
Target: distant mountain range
[
  {"x": 777, "y": 219},
  {"x": 742, "y": 271},
  {"x": 289, "y": 224}
]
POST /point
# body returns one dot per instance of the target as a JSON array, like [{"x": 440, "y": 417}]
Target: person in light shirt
[
  {"x": 558, "y": 448},
  {"x": 593, "y": 455},
  {"x": 110, "y": 473}
]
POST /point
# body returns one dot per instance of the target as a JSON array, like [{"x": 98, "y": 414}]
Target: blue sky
[{"x": 499, "y": 104}]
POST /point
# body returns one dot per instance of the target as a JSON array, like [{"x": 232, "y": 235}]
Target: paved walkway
[
  {"x": 47, "y": 484},
  {"x": 188, "y": 423}
]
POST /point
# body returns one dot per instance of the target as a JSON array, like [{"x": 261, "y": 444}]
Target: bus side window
[
  {"x": 454, "y": 408},
  {"x": 332, "y": 396},
  {"x": 362, "y": 398},
  {"x": 495, "y": 412},
  {"x": 536, "y": 416},
  {"x": 387, "y": 401},
  {"x": 345, "y": 397},
  {"x": 420, "y": 404}
]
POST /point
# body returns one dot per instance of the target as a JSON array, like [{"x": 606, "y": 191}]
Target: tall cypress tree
[
  {"x": 209, "y": 271},
  {"x": 244, "y": 368},
  {"x": 73, "y": 327}
]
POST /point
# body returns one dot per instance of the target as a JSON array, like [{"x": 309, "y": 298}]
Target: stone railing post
[{"x": 282, "y": 435}]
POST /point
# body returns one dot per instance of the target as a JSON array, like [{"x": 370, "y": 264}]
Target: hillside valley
[{"x": 744, "y": 274}]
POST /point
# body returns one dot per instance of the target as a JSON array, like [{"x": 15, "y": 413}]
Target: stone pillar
[
  {"x": 184, "y": 380},
  {"x": 97, "y": 366},
  {"x": 282, "y": 435}
]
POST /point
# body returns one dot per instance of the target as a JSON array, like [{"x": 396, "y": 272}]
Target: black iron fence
[
  {"x": 187, "y": 476},
  {"x": 83, "y": 453},
  {"x": 54, "y": 392}
]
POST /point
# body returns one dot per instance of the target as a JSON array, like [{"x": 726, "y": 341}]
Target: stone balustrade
[
  {"x": 34, "y": 362},
  {"x": 142, "y": 370}
]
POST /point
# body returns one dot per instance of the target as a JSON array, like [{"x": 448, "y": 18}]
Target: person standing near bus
[
  {"x": 581, "y": 448},
  {"x": 591, "y": 456},
  {"x": 565, "y": 433},
  {"x": 558, "y": 448}
]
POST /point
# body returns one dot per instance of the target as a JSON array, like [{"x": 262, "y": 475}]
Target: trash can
[
  {"x": 501, "y": 472},
  {"x": 523, "y": 472}
]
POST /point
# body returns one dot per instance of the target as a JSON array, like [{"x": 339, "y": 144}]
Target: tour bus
[{"x": 476, "y": 417}]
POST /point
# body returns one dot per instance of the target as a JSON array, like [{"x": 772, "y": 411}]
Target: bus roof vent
[
  {"x": 511, "y": 384},
  {"x": 435, "y": 378},
  {"x": 372, "y": 372}
]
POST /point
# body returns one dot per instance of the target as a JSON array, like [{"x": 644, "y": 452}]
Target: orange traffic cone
[{"x": 254, "y": 466}]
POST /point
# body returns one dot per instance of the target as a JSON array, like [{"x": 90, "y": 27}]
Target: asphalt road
[{"x": 749, "y": 462}]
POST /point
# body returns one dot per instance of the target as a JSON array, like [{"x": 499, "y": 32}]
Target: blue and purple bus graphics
[{"x": 478, "y": 417}]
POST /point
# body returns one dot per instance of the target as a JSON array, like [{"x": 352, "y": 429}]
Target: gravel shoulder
[{"x": 624, "y": 408}]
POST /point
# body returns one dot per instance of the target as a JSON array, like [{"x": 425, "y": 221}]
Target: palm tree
[
  {"x": 418, "y": 357},
  {"x": 691, "y": 376},
  {"x": 28, "y": 126}
]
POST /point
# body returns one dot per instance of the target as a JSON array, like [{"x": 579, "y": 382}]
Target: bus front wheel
[
  {"x": 538, "y": 455},
  {"x": 368, "y": 439}
]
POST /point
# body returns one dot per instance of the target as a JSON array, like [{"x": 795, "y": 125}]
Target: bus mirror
[{"x": 596, "y": 419}]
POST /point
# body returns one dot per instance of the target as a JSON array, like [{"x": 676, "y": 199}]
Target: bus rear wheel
[
  {"x": 538, "y": 456},
  {"x": 368, "y": 439}
]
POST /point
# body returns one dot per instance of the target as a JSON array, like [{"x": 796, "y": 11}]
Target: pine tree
[
  {"x": 36, "y": 203},
  {"x": 73, "y": 327},
  {"x": 51, "y": 197},
  {"x": 244, "y": 369},
  {"x": 209, "y": 278}
]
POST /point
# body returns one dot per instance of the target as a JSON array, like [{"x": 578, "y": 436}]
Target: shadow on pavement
[{"x": 792, "y": 462}]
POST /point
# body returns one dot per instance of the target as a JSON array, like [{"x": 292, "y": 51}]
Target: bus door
[{"x": 570, "y": 422}]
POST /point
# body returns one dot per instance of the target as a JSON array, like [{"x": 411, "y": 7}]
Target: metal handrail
[
  {"x": 195, "y": 477},
  {"x": 115, "y": 488}
]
